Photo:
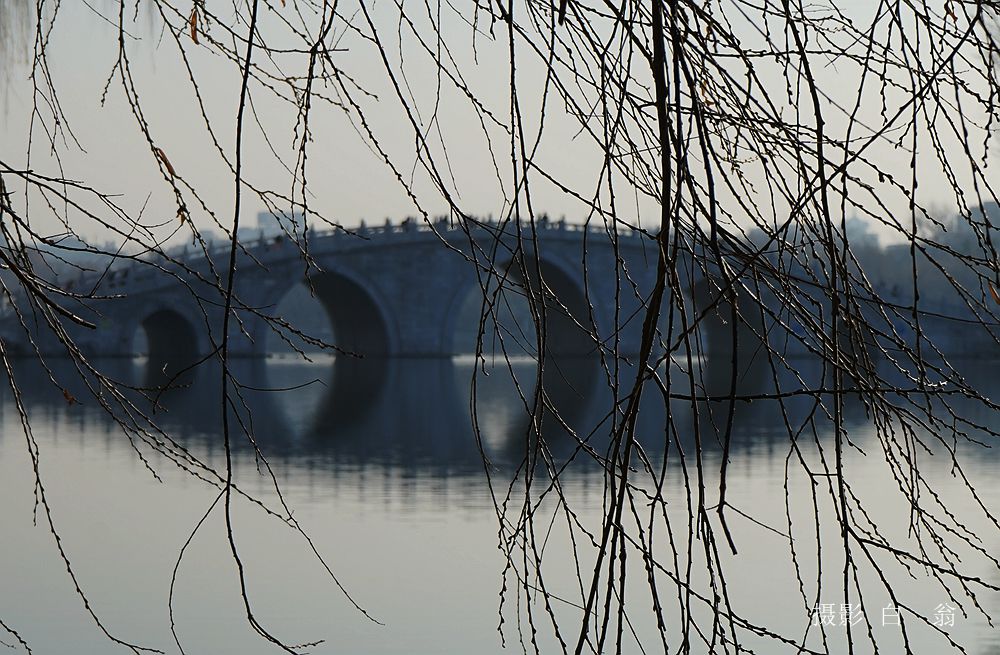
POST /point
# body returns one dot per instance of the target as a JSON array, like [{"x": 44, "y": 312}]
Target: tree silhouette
[{"x": 740, "y": 138}]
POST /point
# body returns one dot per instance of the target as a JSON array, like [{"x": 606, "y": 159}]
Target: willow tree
[{"x": 738, "y": 137}]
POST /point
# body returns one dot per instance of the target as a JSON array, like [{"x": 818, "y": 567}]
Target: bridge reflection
[{"x": 415, "y": 415}]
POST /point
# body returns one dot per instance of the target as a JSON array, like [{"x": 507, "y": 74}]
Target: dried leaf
[
  {"x": 993, "y": 292},
  {"x": 166, "y": 162},
  {"x": 193, "y": 21},
  {"x": 70, "y": 398}
]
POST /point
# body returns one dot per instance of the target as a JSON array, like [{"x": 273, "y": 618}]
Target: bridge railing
[
  {"x": 408, "y": 226},
  {"x": 130, "y": 271},
  {"x": 443, "y": 225}
]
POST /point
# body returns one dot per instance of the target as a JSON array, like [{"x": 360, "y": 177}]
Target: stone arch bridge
[{"x": 390, "y": 291}]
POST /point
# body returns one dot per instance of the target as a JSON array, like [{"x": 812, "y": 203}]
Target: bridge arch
[
  {"x": 570, "y": 325},
  {"x": 354, "y": 309},
  {"x": 168, "y": 337}
]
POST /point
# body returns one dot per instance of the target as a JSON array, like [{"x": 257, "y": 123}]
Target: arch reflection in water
[
  {"x": 414, "y": 415},
  {"x": 409, "y": 413}
]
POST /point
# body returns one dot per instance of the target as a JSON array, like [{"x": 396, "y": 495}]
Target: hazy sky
[{"x": 348, "y": 178}]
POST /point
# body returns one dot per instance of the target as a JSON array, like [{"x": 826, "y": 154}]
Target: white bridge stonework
[
  {"x": 389, "y": 291},
  {"x": 397, "y": 291}
]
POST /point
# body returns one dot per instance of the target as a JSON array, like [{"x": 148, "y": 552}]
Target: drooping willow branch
[{"x": 743, "y": 139}]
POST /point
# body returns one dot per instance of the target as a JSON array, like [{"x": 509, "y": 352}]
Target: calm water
[{"x": 380, "y": 467}]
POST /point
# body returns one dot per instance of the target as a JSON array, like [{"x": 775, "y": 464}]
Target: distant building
[{"x": 269, "y": 225}]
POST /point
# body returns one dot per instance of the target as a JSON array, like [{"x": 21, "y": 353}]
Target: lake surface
[{"x": 380, "y": 467}]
